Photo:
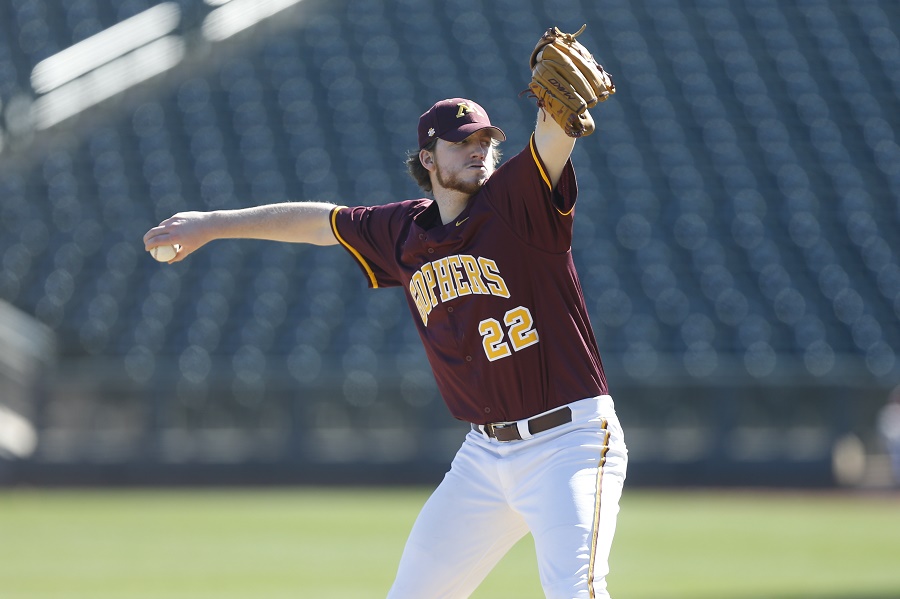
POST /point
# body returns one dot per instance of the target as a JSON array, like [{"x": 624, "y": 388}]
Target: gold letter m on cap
[{"x": 465, "y": 109}]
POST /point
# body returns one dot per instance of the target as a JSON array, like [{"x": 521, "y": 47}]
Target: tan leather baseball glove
[{"x": 567, "y": 81}]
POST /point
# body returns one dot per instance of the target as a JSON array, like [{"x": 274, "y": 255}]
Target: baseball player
[{"x": 487, "y": 269}]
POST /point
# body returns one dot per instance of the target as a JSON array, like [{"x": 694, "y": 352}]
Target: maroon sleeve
[
  {"x": 371, "y": 234},
  {"x": 520, "y": 192}
]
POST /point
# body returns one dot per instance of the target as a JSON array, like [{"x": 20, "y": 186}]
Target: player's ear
[{"x": 426, "y": 157}]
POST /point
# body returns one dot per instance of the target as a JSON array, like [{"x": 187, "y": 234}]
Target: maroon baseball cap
[{"x": 454, "y": 120}]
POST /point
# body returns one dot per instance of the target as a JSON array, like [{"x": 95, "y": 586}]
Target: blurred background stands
[{"x": 737, "y": 233}]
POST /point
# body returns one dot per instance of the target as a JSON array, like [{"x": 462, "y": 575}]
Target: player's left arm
[
  {"x": 566, "y": 80},
  {"x": 554, "y": 146}
]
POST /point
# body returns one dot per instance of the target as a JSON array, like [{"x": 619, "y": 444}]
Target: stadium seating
[{"x": 739, "y": 204}]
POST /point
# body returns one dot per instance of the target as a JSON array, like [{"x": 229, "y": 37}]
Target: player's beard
[{"x": 454, "y": 182}]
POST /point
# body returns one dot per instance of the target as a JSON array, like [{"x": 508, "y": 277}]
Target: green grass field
[{"x": 343, "y": 543}]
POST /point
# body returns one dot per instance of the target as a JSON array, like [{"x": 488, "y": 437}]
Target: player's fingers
[
  {"x": 157, "y": 236},
  {"x": 181, "y": 253},
  {"x": 168, "y": 231}
]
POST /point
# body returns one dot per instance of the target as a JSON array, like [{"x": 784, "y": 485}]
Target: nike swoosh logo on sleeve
[{"x": 459, "y": 222}]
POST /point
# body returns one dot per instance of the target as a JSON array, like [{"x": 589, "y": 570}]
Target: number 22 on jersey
[{"x": 518, "y": 330}]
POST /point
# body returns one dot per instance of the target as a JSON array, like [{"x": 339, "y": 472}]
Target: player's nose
[{"x": 480, "y": 150}]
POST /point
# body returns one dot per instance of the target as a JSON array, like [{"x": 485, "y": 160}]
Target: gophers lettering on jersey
[{"x": 452, "y": 277}]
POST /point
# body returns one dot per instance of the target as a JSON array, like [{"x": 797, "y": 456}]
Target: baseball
[{"x": 164, "y": 253}]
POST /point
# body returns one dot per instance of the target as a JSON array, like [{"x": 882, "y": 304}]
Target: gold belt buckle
[{"x": 499, "y": 426}]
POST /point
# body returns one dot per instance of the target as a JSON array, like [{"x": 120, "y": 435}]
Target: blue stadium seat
[{"x": 742, "y": 204}]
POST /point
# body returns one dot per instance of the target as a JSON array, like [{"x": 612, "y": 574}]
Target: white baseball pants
[{"x": 562, "y": 485}]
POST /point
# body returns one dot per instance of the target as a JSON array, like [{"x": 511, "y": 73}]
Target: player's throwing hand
[{"x": 185, "y": 229}]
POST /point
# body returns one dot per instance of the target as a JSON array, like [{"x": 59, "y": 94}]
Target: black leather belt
[{"x": 509, "y": 431}]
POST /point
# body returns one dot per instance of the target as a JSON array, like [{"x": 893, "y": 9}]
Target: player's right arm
[
  {"x": 293, "y": 222},
  {"x": 553, "y": 146}
]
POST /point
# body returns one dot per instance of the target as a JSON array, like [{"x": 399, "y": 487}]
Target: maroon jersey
[{"x": 494, "y": 293}]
